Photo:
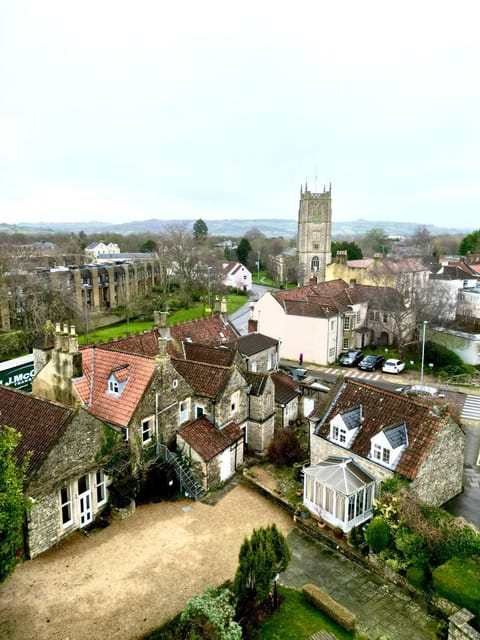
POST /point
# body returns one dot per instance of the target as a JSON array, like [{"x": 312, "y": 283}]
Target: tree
[
  {"x": 353, "y": 250},
  {"x": 261, "y": 558},
  {"x": 375, "y": 241},
  {"x": 12, "y": 501},
  {"x": 210, "y": 616},
  {"x": 200, "y": 230},
  {"x": 243, "y": 249},
  {"x": 149, "y": 246},
  {"x": 421, "y": 240},
  {"x": 470, "y": 243}
]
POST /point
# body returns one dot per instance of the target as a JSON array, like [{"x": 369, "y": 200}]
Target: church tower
[{"x": 314, "y": 235}]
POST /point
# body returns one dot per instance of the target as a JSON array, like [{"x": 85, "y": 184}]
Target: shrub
[
  {"x": 285, "y": 448},
  {"x": 210, "y": 615},
  {"x": 416, "y": 576},
  {"x": 410, "y": 544},
  {"x": 458, "y": 580},
  {"x": 331, "y": 607},
  {"x": 378, "y": 534}
]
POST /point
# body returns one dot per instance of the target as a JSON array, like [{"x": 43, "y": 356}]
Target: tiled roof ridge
[
  {"x": 395, "y": 394},
  {"x": 32, "y": 396},
  {"x": 203, "y": 364}
]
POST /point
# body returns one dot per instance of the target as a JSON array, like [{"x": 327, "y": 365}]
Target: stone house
[
  {"x": 321, "y": 320},
  {"x": 215, "y": 453},
  {"x": 94, "y": 249},
  {"x": 377, "y": 433},
  {"x": 65, "y": 484},
  {"x": 259, "y": 352},
  {"x": 287, "y": 396},
  {"x": 260, "y": 427}
]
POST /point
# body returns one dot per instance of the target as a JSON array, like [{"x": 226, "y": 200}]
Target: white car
[{"x": 393, "y": 366}]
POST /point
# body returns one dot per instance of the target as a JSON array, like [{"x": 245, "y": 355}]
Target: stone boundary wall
[{"x": 459, "y": 629}]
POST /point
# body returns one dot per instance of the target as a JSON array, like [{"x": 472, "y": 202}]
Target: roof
[
  {"x": 209, "y": 354},
  {"x": 214, "y": 330},
  {"x": 206, "y": 379},
  {"x": 40, "y": 422},
  {"x": 327, "y": 299},
  {"x": 98, "y": 365},
  {"x": 381, "y": 409},
  {"x": 352, "y": 418},
  {"x": 396, "y": 434},
  {"x": 253, "y": 343},
  {"x": 143, "y": 344},
  {"x": 342, "y": 474},
  {"x": 256, "y": 381},
  {"x": 286, "y": 388},
  {"x": 207, "y": 440}
]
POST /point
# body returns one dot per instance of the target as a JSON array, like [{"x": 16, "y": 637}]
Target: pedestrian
[{"x": 300, "y": 359}]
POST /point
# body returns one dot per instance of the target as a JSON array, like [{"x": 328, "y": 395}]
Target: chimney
[
  {"x": 162, "y": 347},
  {"x": 216, "y": 305},
  {"x": 58, "y": 336},
  {"x": 223, "y": 305},
  {"x": 73, "y": 340},
  {"x": 64, "y": 337},
  {"x": 156, "y": 319},
  {"x": 341, "y": 257}
]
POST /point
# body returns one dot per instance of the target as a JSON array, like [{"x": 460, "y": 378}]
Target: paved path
[{"x": 379, "y": 607}]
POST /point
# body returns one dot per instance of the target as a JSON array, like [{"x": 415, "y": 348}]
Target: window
[
  {"x": 184, "y": 407},
  {"x": 374, "y": 315},
  {"x": 199, "y": 411},
  {"x": 253, "y": 367},
  {"x": 113, "y": 386},
  {"x": 358, "y": 316},
  {"x": 381, "y": 454},
  {"x": 147, "y": 430},
  {"x": 385, "y": 318},
  {"x": 315, "y": 263},
  {"x": 346, "y": 344},
  {"x": 101, "y": 488},
  {"x": 332, "y": 325},
  {"x": 66, "y": 503},
  {"x": 338, "y": 434},
  {"x": 234, "y": 402},
  {"x": 331, "y": 352},
  {"x": 346, "y": 323}
]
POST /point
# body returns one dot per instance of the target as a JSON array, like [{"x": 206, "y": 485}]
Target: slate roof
[
  {"x": 286, "y": 388},
  {"x": 352, "y": 417},
  {"x": 205, "y": 379},
  {"x": 382, "y": 409},
  {"x": 98, "y": 364},
  {"x": 396, "y": 434},
  {"x": 253, "y": 343},
  {"x": 207, "y": 440},
  {"x": 40, "y": 422}
]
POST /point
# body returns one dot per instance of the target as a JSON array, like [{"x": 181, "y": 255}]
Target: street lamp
[
  {"x": 209, "y": 271},
  {"x": 423, "y": 352}
]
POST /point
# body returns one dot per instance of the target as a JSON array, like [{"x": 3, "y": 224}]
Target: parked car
[
  {"x": 351, "y": 358},
  {"x": 371, "y": 362},
  {"x": 393, "y": 365}
]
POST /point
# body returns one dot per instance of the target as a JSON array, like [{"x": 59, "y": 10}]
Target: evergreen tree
[
  {"x": 12, "y": 502},
  {"x": 470, "y": 243},
  {"x": 261, "y": 557},
  {"x": 200, "y": 230},
  {"x": 353, "y": 250},
  {"x": 243, "y": 250}
]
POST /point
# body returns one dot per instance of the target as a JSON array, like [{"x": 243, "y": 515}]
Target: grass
[
  {"x": 297, "y": 619},
  {"x": 122, "y": 329}
]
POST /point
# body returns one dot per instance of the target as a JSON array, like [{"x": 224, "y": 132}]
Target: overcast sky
[{"x": 122, "y": 110}]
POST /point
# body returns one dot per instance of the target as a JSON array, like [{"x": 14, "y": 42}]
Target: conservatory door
[{"x": 84, "y": 501}]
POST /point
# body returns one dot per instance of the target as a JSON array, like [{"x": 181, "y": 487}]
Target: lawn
[
  {"x": 122, "y": 329},
  {"x": 297, "y": 619}
]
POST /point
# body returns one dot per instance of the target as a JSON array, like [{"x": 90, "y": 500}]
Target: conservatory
[{"x": 339, "y": 491}]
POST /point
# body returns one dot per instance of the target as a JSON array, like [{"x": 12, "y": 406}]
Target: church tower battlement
[{"x": 314, "y": 235}]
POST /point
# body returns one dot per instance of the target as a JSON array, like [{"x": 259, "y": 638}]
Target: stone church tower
[{"x": 314, "y": 235}]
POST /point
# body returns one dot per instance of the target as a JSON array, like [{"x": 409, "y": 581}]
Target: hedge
[
  {"x": 337, "y": 612},
  {"x": 458, "y": 580}
]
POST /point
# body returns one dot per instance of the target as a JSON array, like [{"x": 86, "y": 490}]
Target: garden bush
[
  {"x": 458, "y": 580},
  {"x": 331, "y": 607},
  {"x": 417, "y": 576},
  {"x": 378, "y": 534},
  {"x": 285, "y": 448}
]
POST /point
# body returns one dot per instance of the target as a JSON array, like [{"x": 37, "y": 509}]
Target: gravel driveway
[{"x": 135, "y": 575}]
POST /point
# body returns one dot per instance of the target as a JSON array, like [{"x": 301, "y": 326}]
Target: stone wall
[
  {"x": 440, "y": 477},
  {"x": 459, "y": 629}
]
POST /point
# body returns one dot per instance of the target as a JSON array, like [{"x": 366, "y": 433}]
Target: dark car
[
  {"x": 370, "y": 363},
  {"x": 351, "y": 358}
]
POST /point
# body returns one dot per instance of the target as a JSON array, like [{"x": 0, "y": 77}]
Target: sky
[{"x": 119, "y": 110}]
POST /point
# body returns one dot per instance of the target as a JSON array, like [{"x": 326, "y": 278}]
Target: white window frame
[
  {"x": 146, "y": 426},
  {"x": 339, "y": 434},
  {"x": 346, "y": 323},
  {"x": 113, "y": 386},
  {"x": 68, "y": 503},
  {"x": 100, "y": 488}
]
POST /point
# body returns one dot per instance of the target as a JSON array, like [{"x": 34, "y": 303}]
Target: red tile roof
[
  {"x": 210, "y": 330},
  {"x": 40, "y": 422},
  {"x": 98, "y": 364},
  {"x": 143, "y": 343},
  {"x": 206, "y": 379},
  {"x": 286, "y": 388},
  {"x": 380, "y": 409},
  {"x": 207, "y": 440},
  {"x": 209, "y": 354}
]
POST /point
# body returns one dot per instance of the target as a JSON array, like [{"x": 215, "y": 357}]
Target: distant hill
[{"x": 272, "y": 228}]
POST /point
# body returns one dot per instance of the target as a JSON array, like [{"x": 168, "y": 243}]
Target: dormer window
[
  {"x": 388, "y": 445},
  {"x": 118, "y": 379},
  {"x": 345, "y": 426}
]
